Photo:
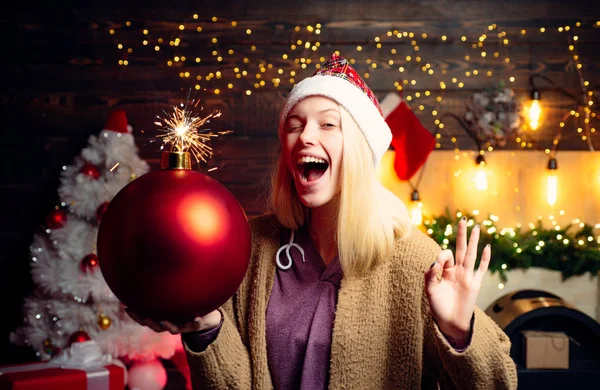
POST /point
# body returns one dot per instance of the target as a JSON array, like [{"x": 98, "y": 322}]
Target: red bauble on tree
[
  {"x": 78, "y": 337},
  {"x": 89, "y": 263},
  {"x": 56, "y": 219},
  {"x": 174, "y": 244},
  {"x": 90, "y": 170},
  {"x": 50, "y": 348}
]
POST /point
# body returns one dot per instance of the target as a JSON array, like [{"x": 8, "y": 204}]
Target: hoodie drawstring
[{"x": 287, "y": 248}]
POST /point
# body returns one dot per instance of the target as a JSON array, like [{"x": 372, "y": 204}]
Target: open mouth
[{"x": 311, "y": 168}]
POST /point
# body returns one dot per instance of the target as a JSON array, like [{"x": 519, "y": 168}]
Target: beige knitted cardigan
[{"x": 383, "y": 334}]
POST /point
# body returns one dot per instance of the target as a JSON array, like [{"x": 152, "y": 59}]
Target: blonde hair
[{"x": 369, "y": 216}]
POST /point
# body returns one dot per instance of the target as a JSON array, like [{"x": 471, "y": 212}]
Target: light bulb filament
[
  {"x": 481, "y": 182},
  {"x": 535, "y": 111},
  {"x": 416, "y": 213}
]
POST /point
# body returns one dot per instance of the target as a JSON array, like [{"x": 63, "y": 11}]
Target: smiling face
[{"x": 312, "y": 145}]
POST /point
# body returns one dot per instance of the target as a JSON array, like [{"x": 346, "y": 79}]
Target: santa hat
[
  {"x": 410, "y": 139},
  {"x": 338, "y": 81},
  {"x": 117, "y": 122}
]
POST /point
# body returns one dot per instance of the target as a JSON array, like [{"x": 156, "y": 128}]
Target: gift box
[
  {"x": 82, "y": 366},
  {"x": 43, "y": 376},
  {"x": 546, "y": 350}
]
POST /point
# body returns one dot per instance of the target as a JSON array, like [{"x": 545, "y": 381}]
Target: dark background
[{"x": 61, "y": 79}]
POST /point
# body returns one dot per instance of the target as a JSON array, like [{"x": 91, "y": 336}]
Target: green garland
[{"x": 572, "y": 250}]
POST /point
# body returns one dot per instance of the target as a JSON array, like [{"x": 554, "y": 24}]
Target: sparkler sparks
[{"x": 182, "y": 131}]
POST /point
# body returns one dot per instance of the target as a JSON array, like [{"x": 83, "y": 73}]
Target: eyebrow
[
  {"x": 328, "y": 109},
  {"x": 296, "y": 116}
]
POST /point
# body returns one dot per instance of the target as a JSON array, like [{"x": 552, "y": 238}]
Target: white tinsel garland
[{"x": 71, "y": 297}]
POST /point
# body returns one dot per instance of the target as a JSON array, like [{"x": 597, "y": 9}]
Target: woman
[{"x": 340, "y": 291}]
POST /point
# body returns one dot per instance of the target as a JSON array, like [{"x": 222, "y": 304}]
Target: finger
[
  {"x": 431, "y": 276},
  {"x": 199, "y": 322},
  {"x": 471, "y": 255},
  {"x": 484, "y": 263},
  {"x": 155, "y": 327},
  {"x": 196, "y": 325},
  {"x": 170, "y": 327},
  {"x": 135, "y": 317},
  {"x": 461, "y": 241},
  {"x": 444, "y": 261}
]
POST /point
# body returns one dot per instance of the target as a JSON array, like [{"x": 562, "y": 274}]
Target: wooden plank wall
[{"x": 62, "y": 77}]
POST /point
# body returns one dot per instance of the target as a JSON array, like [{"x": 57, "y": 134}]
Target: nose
[{"x": 309, "y": 133}]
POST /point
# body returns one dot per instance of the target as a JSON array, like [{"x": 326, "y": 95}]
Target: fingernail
[
  {"x": 433, "y": 264},
  {"x": 162, "y": 323},
  {"x": 197, "y": 320},
  {"x": 488, "y": 246},
  {"x": 477, "y": 226},
  {"x": 463, "y": 218}
]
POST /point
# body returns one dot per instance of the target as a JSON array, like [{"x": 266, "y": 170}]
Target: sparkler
[{"x": 182, "y": 131}]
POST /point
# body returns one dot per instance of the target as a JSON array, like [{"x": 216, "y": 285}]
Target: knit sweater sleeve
[
  {"x": 225, "y": 363},
  {"x": 484, "y": 364}
]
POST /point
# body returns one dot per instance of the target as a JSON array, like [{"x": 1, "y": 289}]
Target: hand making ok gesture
[{"x": 452, "y": 299}]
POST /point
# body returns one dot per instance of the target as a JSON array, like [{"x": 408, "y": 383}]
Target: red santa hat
[
  {"x": 117, "y": 122},
  {"x": 338, "y": 81}
]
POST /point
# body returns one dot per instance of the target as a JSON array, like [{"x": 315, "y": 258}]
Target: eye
[{"x": 293, "y": 125}]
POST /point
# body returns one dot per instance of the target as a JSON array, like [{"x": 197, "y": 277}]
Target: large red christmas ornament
[
  {"x": 78, "y": 337},
  {"x": 90, "y": 170},
  {"x": 56, "y": 219},
  {"x": 101, "y": 210},
  {"x": 89, "y": 263},
  {"x": 174, "y": 244}
]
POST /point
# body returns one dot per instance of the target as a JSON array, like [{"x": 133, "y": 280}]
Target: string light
[
  {"x": 583, "y": 102},
  {"x": 552, "y": 181},
  {"x": 416, "y": 208},
  {"x": 481, "y": 182},
  {"x": 535, "y": 110},
  {"x": 308, "y": 34}
]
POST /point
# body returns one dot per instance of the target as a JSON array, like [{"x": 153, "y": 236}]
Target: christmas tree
[{"x": 72, "y": 302}]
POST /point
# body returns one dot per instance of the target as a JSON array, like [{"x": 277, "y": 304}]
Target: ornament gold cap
[{"x": 175, "y": 160}]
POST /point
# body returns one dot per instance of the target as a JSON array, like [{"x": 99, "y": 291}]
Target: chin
[
  {"x": 315, "y": 201},
  {"x": 311, "y": 202}
]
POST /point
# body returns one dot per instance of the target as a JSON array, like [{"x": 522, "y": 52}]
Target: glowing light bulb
[
  {"x": 552, "y": 181},
  {"x": 535, "y": 110},
  {"x": 481, "y": 182},
  {"x": 416, "y": 208},
  {"x": 481, "y": 179}
]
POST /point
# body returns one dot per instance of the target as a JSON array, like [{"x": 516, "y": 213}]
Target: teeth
[{"x": 309, "y": 159}]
